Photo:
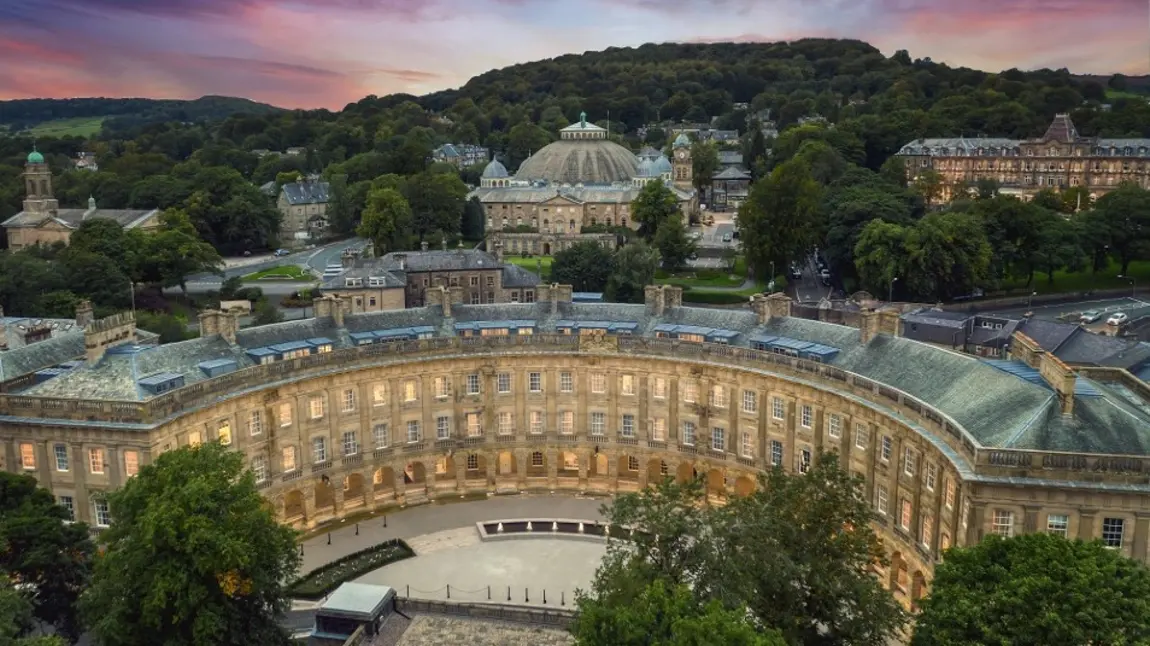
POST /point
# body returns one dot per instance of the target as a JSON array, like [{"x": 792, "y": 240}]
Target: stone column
[
  {"x": 308, "y": 492},
  {"x": 460, "y": 471},
  {"x": 585, "y": 458},
  {"x": 400, "y": 484},
  {"x": 522, "y": 461},
  {"x": 1030, "y": 519},
  {"x": 337, "y": 495},
  {"x": 552, "y": 462},
  {"x": 1141, "y": 536},
  {"x": 1086, "y": 523}
]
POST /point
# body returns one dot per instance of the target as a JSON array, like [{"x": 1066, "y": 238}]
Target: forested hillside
[
  {"x": 22, "y": 114},
  {"x": 207, "y": 168}
]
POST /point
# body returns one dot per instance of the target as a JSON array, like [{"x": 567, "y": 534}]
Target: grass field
[
  {"x": 1115, "y": 94},
  {"x": 286, "y": 272},
  {"x": 1086, "y": 281},
  {"x": 79, "y": 127},
  {"x": 532, "y": 264}
]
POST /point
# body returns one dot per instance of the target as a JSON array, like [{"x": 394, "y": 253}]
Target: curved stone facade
[{"x": 370, "y": 427}]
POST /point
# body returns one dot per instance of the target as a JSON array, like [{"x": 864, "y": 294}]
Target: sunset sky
[{"x": 326, "y": 53}]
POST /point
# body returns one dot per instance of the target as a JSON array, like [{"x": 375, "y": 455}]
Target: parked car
[
  {"x": 726, "y": 237},
  {"x": 1117, "y": 318},
  {"x": 1090, "y": 316},
  {"x": 282, "y": 252}
]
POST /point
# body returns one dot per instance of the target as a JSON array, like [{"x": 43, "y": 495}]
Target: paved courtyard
[
  {"x": 476, "y": 571},
  {"x": 428, "y": 630},
  {"x": 432, "y": 518}
]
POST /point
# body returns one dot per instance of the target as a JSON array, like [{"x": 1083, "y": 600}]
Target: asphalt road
[
  {"x": 313, "y": 259},
  {"x": 1133, "y": 307}
]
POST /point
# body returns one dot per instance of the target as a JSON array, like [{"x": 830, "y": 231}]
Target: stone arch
[
  {"x": 628, "y": 467},
  {"x": 415, "y": 473},
  {"x": 475, "y": 466},
  {"x": 383, "y": 479},
  {"x": 685, "y": 473},
  {"x": 546, "y": 248},
  {"x": 716, "y": 483},
  {"x": 536, "y": 465},
  {"x": 657, "y": 470},
  {"x": 324, "y": 493},
  {"x": 505, "y": 466},
  {"x": 353, "y": 487},
  {"x": 917, "y": 588},
  {"x": 744, "y": 485},
  {"x": 568, "y": 464},
  {"x": 293, "y": 505},
  {"x": 600, "y": 465},
  {"x": 445, "y": 469}
]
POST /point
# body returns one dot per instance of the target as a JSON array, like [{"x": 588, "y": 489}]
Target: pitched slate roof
[
  {"x": 366, "y": 269},
  {"x": 516, "y": 276},
  {"x": 451, "y": 260},
  {"x": 73, "y": 218},
  {"x": 732, "y": 173},
  {"x": 306, "y": 192}
]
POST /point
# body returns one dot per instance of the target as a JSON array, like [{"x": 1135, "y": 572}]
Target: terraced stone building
[{"x": 346, "y": 412}]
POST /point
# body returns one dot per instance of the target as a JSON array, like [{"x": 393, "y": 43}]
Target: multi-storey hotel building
[
  {"x": 1060, "y": 159},
  {"x": 347, "y": 412}
]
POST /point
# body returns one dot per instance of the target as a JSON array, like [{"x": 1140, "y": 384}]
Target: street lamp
[
  {"x": 132, "y": 292},
  {"x": 1030, "y": 298},
  {"x": 1133, "y": 284},
  {"x": 890, "y": 292}
]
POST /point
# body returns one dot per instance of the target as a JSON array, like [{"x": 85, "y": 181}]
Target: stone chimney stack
[
  {"x": 225, "y": 324},
  {"x": 84, "y": 315},
  {"x": 401, "y": 259},
  {"x": 771, "y": 306},
  {"x": 333, "y": 307},
  {"x": 875, "y": 322},
  {"x": 106, "y": 333},
  {"x": 3, "y": 331},
  {"x": 554, "y": 294},
  {"x": 660, "y": 298},
  {"x": 1053, "y": 370},
  {"x": 498, "y": 250},
  {"x": 347, "y": 259},
  {"x": 443, "y": 297}
]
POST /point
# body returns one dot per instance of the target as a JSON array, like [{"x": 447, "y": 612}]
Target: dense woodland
[{"x": 377, "y": 149}]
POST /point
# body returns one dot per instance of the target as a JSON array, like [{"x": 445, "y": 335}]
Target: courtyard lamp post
[
  {"x": 1133, "y": 284},
  {"x": 890, "y": 292}
]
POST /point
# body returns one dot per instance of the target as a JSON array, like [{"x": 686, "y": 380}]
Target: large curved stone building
[
  {"x": 583, "y": 154},
  {"x": 345, "y": 412}
]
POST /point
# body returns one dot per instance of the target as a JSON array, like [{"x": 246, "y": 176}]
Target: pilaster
[{"x": 1141, "y": 536}]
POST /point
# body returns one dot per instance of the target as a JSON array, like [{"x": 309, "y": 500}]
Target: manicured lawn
[
  {"x": 532, "y": 264},
  {"x": 702, "y": 278},
  {"x": 1087, "y": 281},
  {"x": 79, "y": 127},
  {"x": 285, "y": 272}
]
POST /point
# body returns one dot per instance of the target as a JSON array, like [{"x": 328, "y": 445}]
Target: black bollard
[
  {"x": 385, "y": 520},
  {"x": 489, "y": 593},
  {"x": 509, "y": 593},
  {"x": 301, "y": 549},
  {"x": 526, "y": 599},
  {"x": 544, "y": 596},
  {"x": 409, "y": 591},
  {"x": 562, "y": 598},
  {"x": 357, "y": 529},
  {"x": 329, "y": 538},
  {"x": 449, "y": 591}
]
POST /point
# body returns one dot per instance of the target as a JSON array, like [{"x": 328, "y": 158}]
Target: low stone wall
[
  {"x": 529, "y": 528},
  {"x": 515, "y": 614}
]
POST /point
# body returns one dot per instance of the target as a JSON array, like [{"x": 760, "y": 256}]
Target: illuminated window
[
  {"x": 536, "y": 422},
  {"x": 659, "y": 429},
  {"x": 288, "y": 457},
  {"x": 441, "y": 385},
  {"x": 719, "y": 396},
  {"x": 474, "y": 425},
  {"x": 690, "y": 391},
  {"x": 506, "y": 423},
  {"x": 410, "y": 390},
  {"x": 659, "y": 388},
  {"x": 379, "y": 394},
  {"x": 905, "y": 514},
  {"x": 131, "y": 463},
  {"x": 627, "y": 384},
  {"x": 951, "y": 492},
  {"x": 28, "y": 456},
  {"x": 285, "y": 414},
  {"x": 317, "y": 406},
  {"x": 224, "y": 432},
  {"x": 96, "y": 460}
]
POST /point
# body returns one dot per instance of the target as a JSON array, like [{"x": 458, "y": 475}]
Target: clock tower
[{"x": 681, "y": 173}]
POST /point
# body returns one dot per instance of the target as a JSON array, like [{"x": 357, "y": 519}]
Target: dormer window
[
  {"x": 375, "y": 281},
  {"x": 353, "y": 282}
]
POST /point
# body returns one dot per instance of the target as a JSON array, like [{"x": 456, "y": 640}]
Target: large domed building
[{"x": 581, "y": 181}]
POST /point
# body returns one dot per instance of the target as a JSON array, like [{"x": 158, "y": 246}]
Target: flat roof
[{"x": 362, "y": 599}]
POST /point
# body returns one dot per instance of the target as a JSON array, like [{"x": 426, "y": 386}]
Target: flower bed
[{"x": 322, "y": 580}]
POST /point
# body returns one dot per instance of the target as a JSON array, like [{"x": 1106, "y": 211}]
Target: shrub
[{"x": 322, "y": 580}]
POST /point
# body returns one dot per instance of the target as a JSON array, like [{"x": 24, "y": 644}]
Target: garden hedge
[{"x": 322, "y": 580}]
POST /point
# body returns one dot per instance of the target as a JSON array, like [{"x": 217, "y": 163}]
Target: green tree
[
  {"x": 861, "y": 197},
  {"x": 107, "y": 238},
  {"x": 880, "y": 255},
  {"x": 436, "y": 201},
  {"x": 674, "y": 243},
  {"x": 387, "y": 221},
  {"x": 704, "y": 163},
  {"x": 522, "y": 142},
  {"x": 1124, "y": 215},
  {"x": 175, "y": 251},
  {"x": 654, "y": 204},
  {"x": 16, "y": 619},
  {"x": 585, "y": 266},
  {"x": 781, "y": 220},
  {"x": 193, "y": 557},
  {"x": 755, "y": 151},
  {"x": 1035, "y": 589},
  {"x": 664, "y": 615},
  {"x": 812, "y": 584},
  {"x": 266, "y": 313},
  {"x": 341, "y": 212},
  {"x": 929, "y": 184},
  {"x": 474, "y": 220},
  {"x": 42, "y": 550},
  {"x": 634, "y": 269}
]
